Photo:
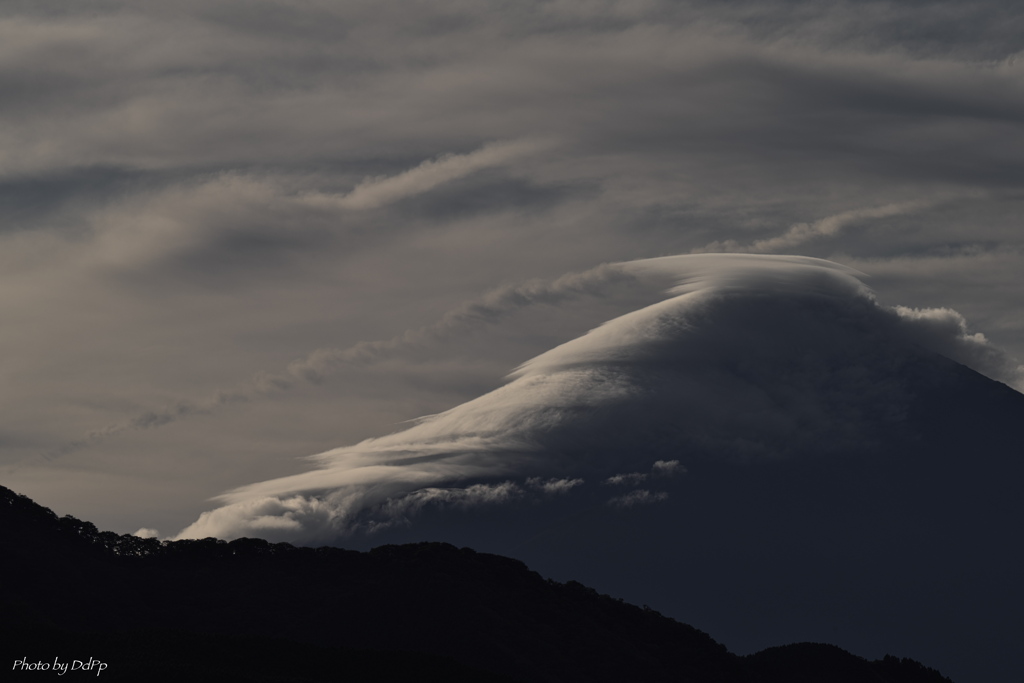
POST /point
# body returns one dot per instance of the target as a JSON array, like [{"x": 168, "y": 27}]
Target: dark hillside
[{"x": 196, "y": 610}]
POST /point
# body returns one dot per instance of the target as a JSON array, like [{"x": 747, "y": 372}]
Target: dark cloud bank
[{"x": 768, "y": 453}]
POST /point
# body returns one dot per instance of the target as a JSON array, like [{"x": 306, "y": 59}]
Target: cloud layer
[{"x": 751, "y": 357}]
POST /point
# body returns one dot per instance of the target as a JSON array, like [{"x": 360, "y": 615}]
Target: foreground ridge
[{"x": 256, "y": 611}]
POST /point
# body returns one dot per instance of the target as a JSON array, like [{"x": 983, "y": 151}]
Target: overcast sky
[{"x": 236, "y": 234}]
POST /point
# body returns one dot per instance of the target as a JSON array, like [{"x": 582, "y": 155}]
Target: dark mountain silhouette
[
  {"x": 898, "y": 535},
  {"x": 250, "y": 610}
]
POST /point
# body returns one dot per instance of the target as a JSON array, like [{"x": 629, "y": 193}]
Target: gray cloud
[
  {"x": 945, "y": 331},
  {"x": 628, "y": 479},
  {"x": 660, "y": 468},
  {"x": 399, "y": 509},
  {"x": 667, "y": 468},
  {"x": 554, "y": 486},
  {"x": 637, "y": 497}
]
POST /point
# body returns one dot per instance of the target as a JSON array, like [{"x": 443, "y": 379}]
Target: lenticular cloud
[{"x": 749, "y": 358}]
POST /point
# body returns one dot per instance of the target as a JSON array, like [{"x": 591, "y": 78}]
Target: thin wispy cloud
[
  {"x": 320, "y": 364},
  {"x": 374, "y": 192},
  {"x": 800, "y": 233}
]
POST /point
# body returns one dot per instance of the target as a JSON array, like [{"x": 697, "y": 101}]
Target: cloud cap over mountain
[{"x": 750, "y": 357}]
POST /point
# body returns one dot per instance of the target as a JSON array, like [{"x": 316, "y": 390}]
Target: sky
[{"x": 235, "y": 236}]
